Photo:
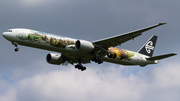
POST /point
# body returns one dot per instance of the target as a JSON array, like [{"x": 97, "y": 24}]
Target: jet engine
[
  {"x": 55, "y": 59},
  {"x": 83, "y": 45}
]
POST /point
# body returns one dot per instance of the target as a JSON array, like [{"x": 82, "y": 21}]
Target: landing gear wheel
[
  {"x": 16, "y": 45},
  {"x": 76, "y": 66},
  {"x": 97, "y": 60},
  {"x": 100, "y": 61},
  {"x": 16, "y": 49},
  {"x": 80, "y": 67},
  {"x": 83, "y": 68}
]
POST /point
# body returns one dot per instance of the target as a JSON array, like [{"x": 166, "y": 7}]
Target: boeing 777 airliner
[{"x": 80, "y": 52}]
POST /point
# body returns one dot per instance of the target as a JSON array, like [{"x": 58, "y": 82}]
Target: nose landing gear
[{"x": 16, "y": 45}]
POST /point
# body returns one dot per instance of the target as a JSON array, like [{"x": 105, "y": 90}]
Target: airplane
[{"x": 78, "y": 52}]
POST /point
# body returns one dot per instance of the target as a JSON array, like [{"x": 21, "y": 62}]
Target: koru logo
[{"x": 149, "y": 47}]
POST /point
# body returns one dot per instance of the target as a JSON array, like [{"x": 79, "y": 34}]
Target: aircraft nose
[
  {"x": 7, "y": 35},
  {"x": 4, "y": 34}
]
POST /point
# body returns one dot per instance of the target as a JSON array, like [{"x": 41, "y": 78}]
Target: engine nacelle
[
  {"x": 55, "y": 59},
  {"x": 83, "y": 45}
]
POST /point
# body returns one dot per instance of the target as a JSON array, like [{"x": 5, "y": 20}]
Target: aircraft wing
[{"x": 119, "y": 39}]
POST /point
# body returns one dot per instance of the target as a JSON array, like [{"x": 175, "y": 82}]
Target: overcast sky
[{"x": 26, "y": 76}]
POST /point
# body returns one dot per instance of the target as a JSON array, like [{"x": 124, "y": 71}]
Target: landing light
[{"x": 156, "y": 61}]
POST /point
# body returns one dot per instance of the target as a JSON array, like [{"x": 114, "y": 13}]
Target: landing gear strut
[
  {"x": 16, "y": 45},
  {"x": 97, "y": 60},
  {"x": 80, "y": 66}
]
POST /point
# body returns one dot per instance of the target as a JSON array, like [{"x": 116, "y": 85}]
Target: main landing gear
[
  {"x": 97, "y": 60},
  {"x": 80, "y": 66},
  {"x": 16, "y": 45}
]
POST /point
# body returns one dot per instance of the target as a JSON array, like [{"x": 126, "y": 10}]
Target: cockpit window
[{"x": 9, "y": 30}]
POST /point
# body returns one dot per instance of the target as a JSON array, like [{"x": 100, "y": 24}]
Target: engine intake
[
  {"x": 83, "y": 45},
  {"x": 55, "y": 59}
]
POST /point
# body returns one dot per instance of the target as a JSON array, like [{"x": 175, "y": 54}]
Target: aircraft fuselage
[{"x": 66, "y": 46}]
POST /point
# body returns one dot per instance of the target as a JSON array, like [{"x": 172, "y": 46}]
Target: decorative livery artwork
[
  {"x": 119, "y": 54},
  {"x": 40, "y": 37}
]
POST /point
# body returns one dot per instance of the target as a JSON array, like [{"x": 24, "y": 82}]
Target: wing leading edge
[{"x": 119, "y": 39}]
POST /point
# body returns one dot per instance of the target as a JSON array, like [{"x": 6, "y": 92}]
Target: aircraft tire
[
  {"x": 83, "y": 68},
  {"x": 16, "y": 49},
  {"x": 100, "y": 61},
  {"x": 80, "y": 67}
]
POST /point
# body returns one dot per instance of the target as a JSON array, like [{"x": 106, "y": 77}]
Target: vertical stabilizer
[{"x": 149, "y": 46}]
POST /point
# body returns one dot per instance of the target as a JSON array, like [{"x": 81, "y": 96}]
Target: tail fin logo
[{"x": 149, "y": 46}]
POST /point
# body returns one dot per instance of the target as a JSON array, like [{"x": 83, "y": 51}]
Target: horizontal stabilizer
[{"x": 161, "y": 56}]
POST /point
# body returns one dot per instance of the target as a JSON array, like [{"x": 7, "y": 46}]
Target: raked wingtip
[{"x": 162, "y": 23}]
